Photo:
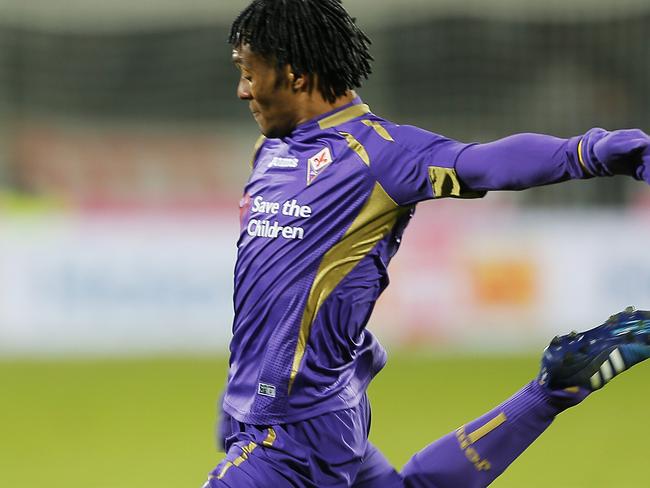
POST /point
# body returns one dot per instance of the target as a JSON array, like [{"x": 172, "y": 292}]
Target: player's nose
[{"x": 244, "y": 90}]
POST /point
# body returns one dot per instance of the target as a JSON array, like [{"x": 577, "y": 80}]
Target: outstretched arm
[
  {"x": 526, "y": 160},
  {"x": 413, "y": 165}
]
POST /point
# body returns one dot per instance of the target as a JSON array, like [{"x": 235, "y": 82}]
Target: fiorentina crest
[{"x": 316, "y": 164}]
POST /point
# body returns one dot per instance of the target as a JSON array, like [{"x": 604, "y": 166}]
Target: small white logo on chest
[
  {"x": 285, "y": 163},
  {"x": 316, "y": 164}
]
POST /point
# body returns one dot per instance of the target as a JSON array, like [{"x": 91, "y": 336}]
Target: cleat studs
[
  {"x": 555, "y": 342},
  {"x": 630, "y": 309}
]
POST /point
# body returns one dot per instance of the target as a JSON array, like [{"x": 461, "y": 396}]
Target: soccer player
[{"x": 332, "y": 189}]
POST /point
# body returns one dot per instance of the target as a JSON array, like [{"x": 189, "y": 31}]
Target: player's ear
[{"x": 298, "y": 81}]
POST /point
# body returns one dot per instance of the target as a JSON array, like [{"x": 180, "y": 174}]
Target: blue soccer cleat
[{"x": 590, "y": 359}]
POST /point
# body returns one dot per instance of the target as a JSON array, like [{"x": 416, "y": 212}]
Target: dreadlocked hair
[{"x": 313, "y": 36}]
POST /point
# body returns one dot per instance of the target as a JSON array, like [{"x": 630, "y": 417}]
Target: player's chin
[
  {"x": 270, "y": 128},
  {"x": 272, "y": 132}
]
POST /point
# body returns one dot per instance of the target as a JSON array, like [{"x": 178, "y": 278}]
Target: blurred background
[{"x": 123, "y": 151}]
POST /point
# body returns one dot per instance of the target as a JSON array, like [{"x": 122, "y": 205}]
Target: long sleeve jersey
[{"x": 321, "y": 217}]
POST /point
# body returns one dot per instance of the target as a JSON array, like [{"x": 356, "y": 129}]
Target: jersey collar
[{"x": 339, "y": 116}]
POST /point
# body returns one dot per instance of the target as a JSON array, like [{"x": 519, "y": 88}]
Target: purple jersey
[{"x": 322, "y": 215}]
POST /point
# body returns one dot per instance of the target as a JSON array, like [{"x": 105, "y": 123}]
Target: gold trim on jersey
[
  {"x": 375, "y": 220},
  {"x": 444, "y": 181},
  {"x": 344, "y": 116},
  {"x": 379, "y": 129},
  {"x": 256, "y": 149},
  {"x": 357, "y": 147}
]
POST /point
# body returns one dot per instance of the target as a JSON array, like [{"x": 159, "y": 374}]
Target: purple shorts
[{"x": 331, "y": 450}]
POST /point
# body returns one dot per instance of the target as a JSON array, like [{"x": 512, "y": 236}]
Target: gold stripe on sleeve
[
  {"x": 379, "y": 129},
  {"x": 487, "y": 428},
  {"x": 582, "y": 161},
  {"x": 344, "y": 116},
  {"x": 444, "y": 181},
  {"x": 357, "y": 147},
  {"x": 375, "y": 220}
]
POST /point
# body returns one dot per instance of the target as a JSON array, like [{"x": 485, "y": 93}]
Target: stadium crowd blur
[
  {"x": 117, "y": 106},
  {"x": 113, "y": 110}
]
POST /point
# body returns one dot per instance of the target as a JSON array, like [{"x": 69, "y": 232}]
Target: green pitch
[{"x": 147, "y": 423}]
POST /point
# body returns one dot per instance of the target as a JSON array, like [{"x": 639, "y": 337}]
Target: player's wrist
[
  {"x": 575, "y": 164},
  {"x": 591, "y": 165}
]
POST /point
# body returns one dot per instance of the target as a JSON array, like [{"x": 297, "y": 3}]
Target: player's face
[{"x": 271, "y": 96}]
